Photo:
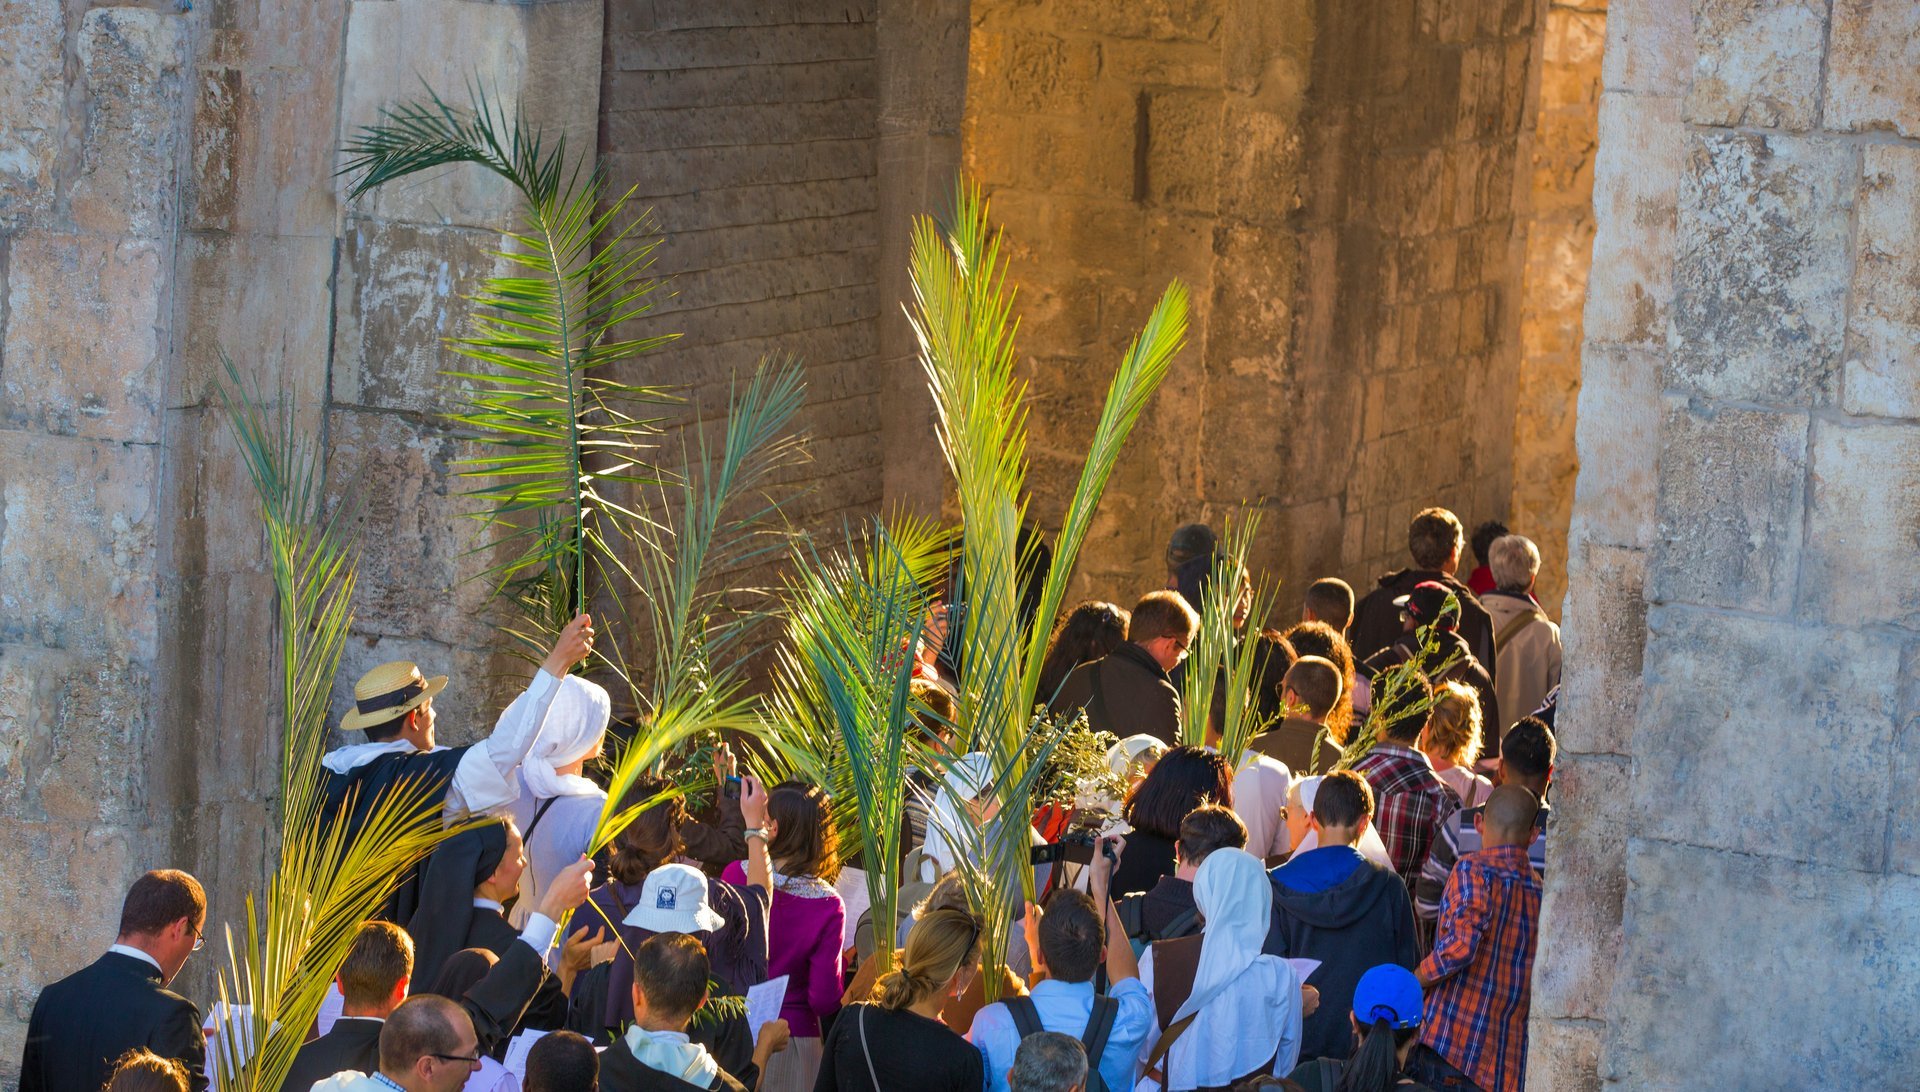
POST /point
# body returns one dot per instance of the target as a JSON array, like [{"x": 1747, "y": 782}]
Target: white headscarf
[
  {"x": 966, "y": 779},
  {"x": 575, "y": 724},
  {"x": 1236, "y": 903}
]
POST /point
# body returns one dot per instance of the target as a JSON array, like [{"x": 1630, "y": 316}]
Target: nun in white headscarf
[
  {"x": 558, "y": 805},
  {"x": 1245, "y": 1004}
]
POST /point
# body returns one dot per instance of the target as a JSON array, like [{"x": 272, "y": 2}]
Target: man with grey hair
[
  {"x": 1048, "y": 1061},
  {"x": 1526, "y": 643}
]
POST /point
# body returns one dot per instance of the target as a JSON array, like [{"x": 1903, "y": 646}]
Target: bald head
[{"x": 1508, "y": 820}]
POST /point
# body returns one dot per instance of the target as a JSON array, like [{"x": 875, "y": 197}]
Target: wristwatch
[{"x": 756, "y": 832}]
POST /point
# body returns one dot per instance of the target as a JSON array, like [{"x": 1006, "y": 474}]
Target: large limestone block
[
  {"x": 81, "y": 868},
  {"x": 1635, "y": 201},
  {"x": 1766, "y": 737},
  {"x": 419, "y": 571},
  {"x": 1602, "y": 646},
  {"x": 1883, "y": 323},
  {"x": 133, "y": 60},
  {"x": 77, "y": 544},
  {"x": 72, "y": 728},
  {"x": 525, "y": 57},
  {"x": 1764, "y": 257},
  {"x": 1617, "y": 433},
  {"x": 1762, "y": 67},
  {"x": 1586, "y": 885},
  {"x": 1725, "y": 952},
  {"x": 262, "y": 301},
  {"x": 84, "y": 336},
  {"x": 1863, "y": 517},
  {"x": 1871, "y": 59},
  {"x": 1731, "y": 493},
  {"x": 1563, "y": 1056},
  {"x": 1649, "y": 47},
  {"x": 403, "y": 290},
  {"x": 31, "y": 96}
]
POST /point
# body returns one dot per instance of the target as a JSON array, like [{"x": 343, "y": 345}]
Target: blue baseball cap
[{"x": 1388, "y": 992}]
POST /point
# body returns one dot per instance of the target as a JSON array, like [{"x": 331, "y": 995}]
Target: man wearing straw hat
[{"x": 393, "y": 705}]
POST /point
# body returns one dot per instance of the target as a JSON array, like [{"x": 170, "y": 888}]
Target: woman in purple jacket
[{"x": 806, "y": 928}]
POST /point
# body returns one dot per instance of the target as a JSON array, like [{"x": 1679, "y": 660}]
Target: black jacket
[
  {"x": 494, "y": 1004},
  {"x": 1466, "y": 668},
  {"x": 1376, "y": 621},
  {"x": 83, "y": 1023},
  {"x": 1359, "y": 923},
  {"x": 348, "y": 798},
  {"x": 548, "y": 1009},
  {"x": 1134, "y": 695},
  {"x": 620, "y": 1071}
]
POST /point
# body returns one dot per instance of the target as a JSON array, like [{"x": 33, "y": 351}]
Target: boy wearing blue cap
[{"x": 1387, "y": 1008}]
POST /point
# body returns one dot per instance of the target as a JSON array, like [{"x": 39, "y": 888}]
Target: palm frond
[
  {"x": 323, "y": 884},
  {"x": 1222, "y": 652},
  {"x": 962, "y": 316}
]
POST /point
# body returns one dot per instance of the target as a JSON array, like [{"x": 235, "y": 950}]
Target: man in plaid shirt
[
  {"x": 1410, "y": 800},
  {"x": 1478, "y": 975}
]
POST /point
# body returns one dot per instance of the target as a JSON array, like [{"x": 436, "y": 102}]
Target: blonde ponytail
[{"x": 938, "y": 946}]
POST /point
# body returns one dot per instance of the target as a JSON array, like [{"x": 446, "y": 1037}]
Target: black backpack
[{"x": 1026, "y": 1020}]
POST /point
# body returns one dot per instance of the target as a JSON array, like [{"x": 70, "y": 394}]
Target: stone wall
[
  {"x": 1340, "y": 193},
  {"x": 1559, "y": 242},
  {"x": 1735, "y": 867}
]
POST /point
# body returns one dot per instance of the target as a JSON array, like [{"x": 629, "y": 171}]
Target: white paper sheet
[
  {"x": 852, "y": 886},
  {"x": 233, "y": 1044},
  {"x": 763, "y": 1004},
  {"x": 330, "y": 1008},
  {"x": 1304, "y": 968},
  {"x": 517, "y": 1048}
]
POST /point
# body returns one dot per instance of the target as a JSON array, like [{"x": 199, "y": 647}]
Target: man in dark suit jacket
[
  {"x": 84, "y": 1022},
  {"x": 1129, "y": 692},
  {"x": 375, "y": 977}
]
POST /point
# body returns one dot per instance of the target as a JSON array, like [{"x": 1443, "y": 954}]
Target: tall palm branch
[
  {"x": 1221, "y": 650},
  {"x": 851, "y": 591},
  {"x": 564, "y": 441},
  {"x": 962, "y": 316},
  {"x": 323, "y": 885}
]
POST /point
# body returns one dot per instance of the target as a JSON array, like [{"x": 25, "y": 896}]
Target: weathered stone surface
[
  {"x": 529, "y": 57},
  {"x": 133, "y": 61},
  {"x": 84, "y": 336},
  {"x": 1563, "y": 1056},
  {"x": 1863, "y": 516},
  {"x": 1764, "y": 65},
  {"x": 404, "y": 289},
  {"x": 72, "y": 735},
  {"x": 1602, "y": 644},
  {"x": 1761, "y": 277},
  {"x": 264, "y": 302},
  {"x": 1883, "y": 323},
  {"x": 1822, "y": 699},
  {"x": 1650, "y": 47},
  {"x": 1704, "y": 927},
  {"x": 1618, "y": 434},
  {"x": 1586, "y": 881},
  {"x": 30, "y": 99},
  {"x": 1731, "y": 494},
  {"x": 77, "y": 527},
  {"x": 1636, "y": 199},
  {"x": 1875, "y": 48}
]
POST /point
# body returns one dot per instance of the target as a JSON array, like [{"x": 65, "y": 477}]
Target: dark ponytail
[{"x": 1375, "y": 1067}]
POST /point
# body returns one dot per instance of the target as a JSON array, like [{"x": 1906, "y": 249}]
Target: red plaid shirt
[
  {"x": 1481, "y": 968},
  {"x": 1409, "y": 804}
]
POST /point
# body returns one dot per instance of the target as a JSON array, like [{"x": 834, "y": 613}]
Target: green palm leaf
[
  {"x": 962, "y": 316},
  {"x": 1221, "y": 649}
]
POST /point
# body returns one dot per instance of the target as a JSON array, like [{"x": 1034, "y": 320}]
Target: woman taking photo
[{"x": 898, "y": 1041}]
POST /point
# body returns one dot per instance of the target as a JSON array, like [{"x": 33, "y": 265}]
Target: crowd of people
[{"x": 1290, "y": 921}]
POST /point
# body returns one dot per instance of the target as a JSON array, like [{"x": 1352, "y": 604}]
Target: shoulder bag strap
[
  {"x": 1156, "y": 1060},
  {"x": 872, "y": 1075},
  {"x": 539, "y": 813},
  {"x": 1183, "y": 925},
  {"x": 1513, "y": 628},
  {"x": 1026, "y": 1018}
]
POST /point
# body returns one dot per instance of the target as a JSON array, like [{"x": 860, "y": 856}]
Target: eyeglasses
[
  {"x": 469, "y": 1059},
  {"x": 199, "y": 940}
]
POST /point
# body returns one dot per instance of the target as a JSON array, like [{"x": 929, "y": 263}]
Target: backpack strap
[
  {"x": 1026, "y": 1018},
  {"x": 1512, "y": 629},
  {"x": 1131, "y": 913},
  {"x": 1094, "y": 1039},
  {"x": 1184, "y": 924}
]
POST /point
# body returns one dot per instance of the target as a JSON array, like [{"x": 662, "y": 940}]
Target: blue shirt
[{"x": 1065, "y": 1007}]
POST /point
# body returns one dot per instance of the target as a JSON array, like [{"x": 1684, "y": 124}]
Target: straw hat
[{"x": 389, "y": 692}]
